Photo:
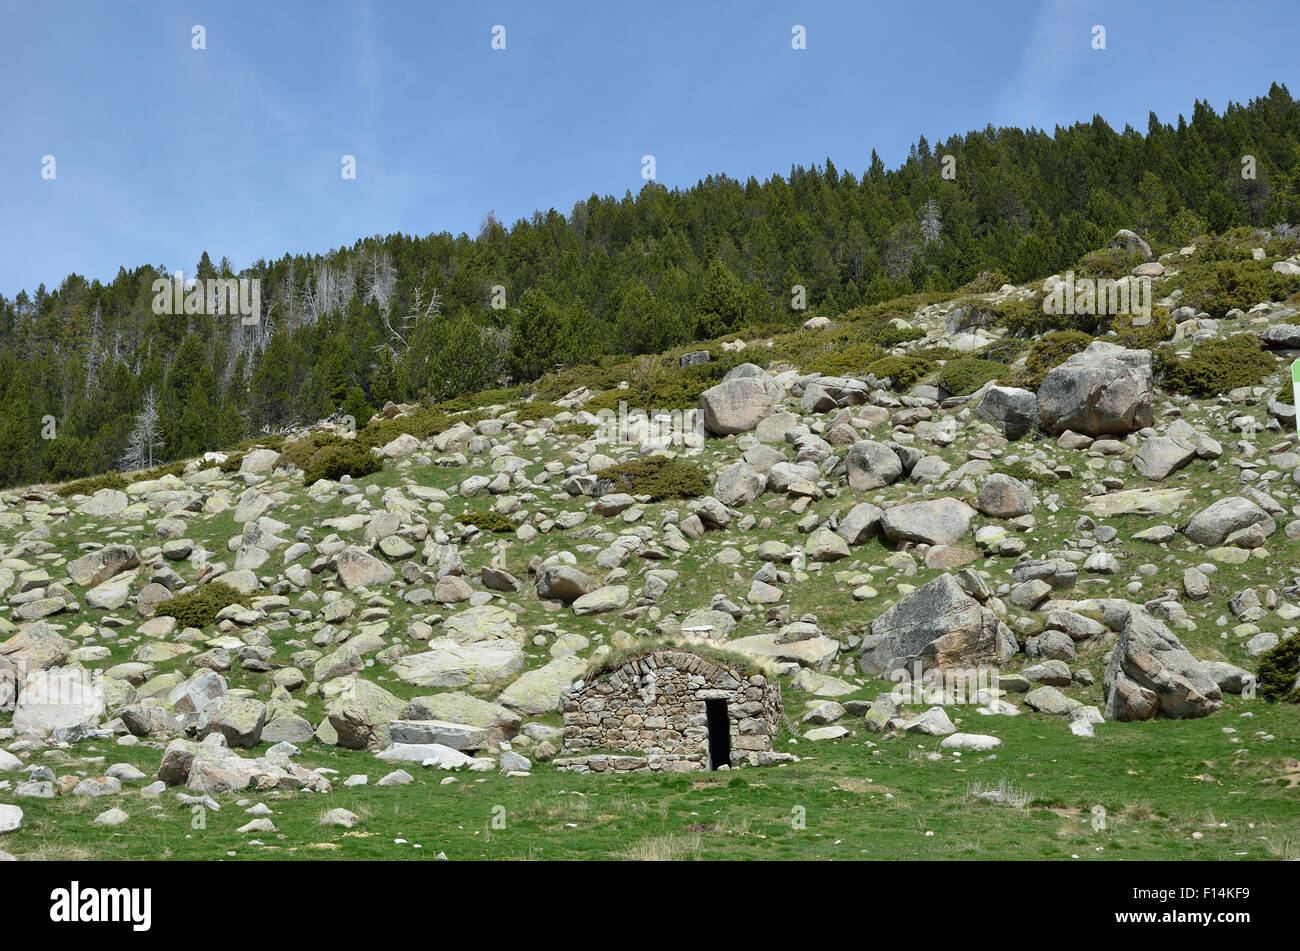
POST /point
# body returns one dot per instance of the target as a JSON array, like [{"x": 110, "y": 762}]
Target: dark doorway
[{"x": 719, "y": 733}]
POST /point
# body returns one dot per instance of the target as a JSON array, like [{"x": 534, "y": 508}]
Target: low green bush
[
  {"x": 1051, "y": 350},
  {"x": 658, "y": 477},
  {"x": 584, "y": 430},
  {"x": 968, "y": 374},
  {"x": 1107, "y": 262},
  {"x": 109, "y": 480},
  {"x": 488, "y": 520},
  {"x": 1215, "y": 366},
  {"x": 200, "y": 607},
  {"x": 844, "y": 361},
  {"x": 1217, "y": 287},
  {"x": 327, "y": 456},
  {"x": 1279, "y": 667},
  {"x": 1146, "y": 336},
  {"x": 534, "y": 410},
  {"x": 663, "y": 387},
  {"x": 985, "y": 282},
  {"x": 905, "y": 372},
  {"x": 421, "y": 423},
  {"x": 470, "y": 401}
]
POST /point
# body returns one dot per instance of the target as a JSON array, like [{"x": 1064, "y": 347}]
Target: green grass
[{"x": 861, "y": 797}]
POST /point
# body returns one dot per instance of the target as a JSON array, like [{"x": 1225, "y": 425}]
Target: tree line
[{"x": 399, "y": 317}]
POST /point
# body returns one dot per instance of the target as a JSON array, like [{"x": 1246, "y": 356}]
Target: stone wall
[{"x": 656, "y": 705}]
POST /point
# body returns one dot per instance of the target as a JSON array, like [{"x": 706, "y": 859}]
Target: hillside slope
[{"x": 1110, "y": 522}]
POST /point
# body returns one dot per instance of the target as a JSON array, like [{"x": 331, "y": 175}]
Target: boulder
[
  {"x": 358, "y": 568},
  {"x": 939, "y": 521},
  {"x": 1152, "y": 675},
  {"x": 450, "y": 664},
  {"x": 739, "y": 484},
  {"x": 499, "y": 722},
  {"x": 1106, "y": 390},
  {"x": 36, "y": 647},
  {"x": 1002, "y": 496},
  {"x": 1212, "y": 525},
  {"x": 1131, "y": 241},
  {"x": 103, "y": 503},
  {"x": 861, "y": 524},
  {"x": 1008, "y": 409},
  {"x": 603, "y": 600},
  {"x": 360, "y": 715},
  {"x": 240, "y": 720},
  {"x": 94, "y": 569},
  {"x": 1282, "y": 337},
  {"x": 539, "y": 691},
  {"x": 67, "y": 700},
  {"x": 563, "y": 583},
  {"x": 736, "y": 406},
  {"x": 940, "y": 626},
  {"x": 1161, "y": 456},
  {"x": 871, "y": 465}
]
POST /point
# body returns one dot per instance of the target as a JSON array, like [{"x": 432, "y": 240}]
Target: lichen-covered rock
[{"x": 940, "y": 626}]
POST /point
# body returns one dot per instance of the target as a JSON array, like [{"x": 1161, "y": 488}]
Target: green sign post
[{"x": 1295, "y": 390}]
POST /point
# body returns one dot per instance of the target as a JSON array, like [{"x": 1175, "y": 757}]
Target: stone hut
[{"x": 678, "y": 709}]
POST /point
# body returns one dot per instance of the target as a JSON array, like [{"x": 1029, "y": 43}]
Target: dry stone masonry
[{"x": 678, "y": 708}]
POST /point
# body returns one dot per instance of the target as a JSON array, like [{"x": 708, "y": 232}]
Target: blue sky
[{"x": 163, "y": 151}]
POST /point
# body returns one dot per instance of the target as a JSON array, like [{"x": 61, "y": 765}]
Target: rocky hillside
[{"x": 1093, "y": 514}]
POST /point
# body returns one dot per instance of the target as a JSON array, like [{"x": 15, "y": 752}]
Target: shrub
[
  {"x": 905, "y": 372},
  {"x": 109, "y": 480},
  {"x": 845, "y": 361},
  {"x": 176, "y": 468},
  {"x": 662, "y": 387},
  {"x": 968, "y": 374},
  {"x": 487, "y": 520},
  {"x": 200, "y": 607},
  {"x": 1160, "y": 328},
  {"x": 1026, "y": 318},
  {"x": 421, "y": 423},
  {"x": 985, "y": 282},
  {"x": 1215, "y": 366},
  {"x": 658, "y": 477},
  {"x": 1051, "y": 350},
  {"x": 584, "y": 430},
  {"x": 534, "y": 410},
  {"x": 470, "y": 401},
  {"x": 1107, "y": 262},
  {"x": 1217, "y": 287},
  {"x": 327, "y": 456},
  {"x": 1006, "y": 350},
  {"x": 1278, "y": 669}
]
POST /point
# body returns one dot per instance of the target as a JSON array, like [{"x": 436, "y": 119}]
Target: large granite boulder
[
  {"x": 1152, "y": 675},
  {"x": 871, "y": 465},
  {"x": 1104, "y": 391},
  {"x": 939, "y": 626},
  {"x": 746, "y": 396},
  {"x": 94, "y": 569},
  {"x": 941, "y": 521},
  {"x": 1215, "y": 524},
  {"x": 1008, "y": 409}
]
